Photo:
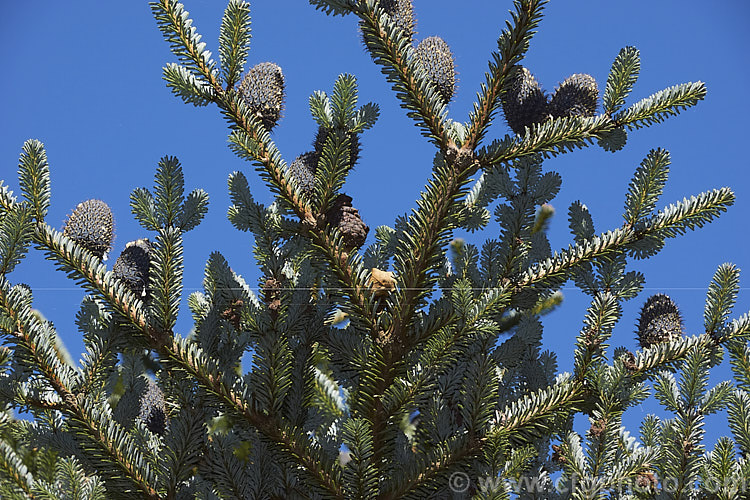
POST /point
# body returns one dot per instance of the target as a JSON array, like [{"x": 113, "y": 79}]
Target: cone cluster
[
  {"x": 132, "y": 266},
  {"x": 233, "y": 313},
  {"x": 348, "y": 221},
  {"x": 153, "y": 409},
  {"x": 92, "y": 226},
  {"x": 262, "y": 89},
  {"x": 659, "y": 322},
  {"x": 525, "y": 103},
  {"x": 272, "y": 293},
  {"x": 433, "y": 54},
  {"x": 436, "y": 59}
]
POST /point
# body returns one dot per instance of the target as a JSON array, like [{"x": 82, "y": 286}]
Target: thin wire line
[{"x": 63, "y": 289}]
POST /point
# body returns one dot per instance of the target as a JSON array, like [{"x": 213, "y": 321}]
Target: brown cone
[{"x": 346, "y": 218}]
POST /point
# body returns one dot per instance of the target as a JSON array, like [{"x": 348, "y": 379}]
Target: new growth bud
[
  {"x": 543, "y": 214},
  {"x": 92, "y": 226},
  {"x": 271, "y": 288}
]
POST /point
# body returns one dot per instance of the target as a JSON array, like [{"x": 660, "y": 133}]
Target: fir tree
[{"x": 409, "y": 368}]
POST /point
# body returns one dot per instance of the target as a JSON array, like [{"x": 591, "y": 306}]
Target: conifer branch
[
  {"x": 525, "y": 414},
  {"x": 359, "y": 474},
  {"x": 393, "y": 402},
  {"x": 297, "y": 447},
  {"x": 246, "y": 140},
  {"x": 166, "y": 267},
  {"x": 529, "y": 411},
  {"x": 600, "y": 319},
  {"x": 12, "y": 466},
  {"x": 125, "y": 304},
  {"x": 417, "y": 256},
  {"x": 661, "y": 105},
  {"x": 721, "y": 297},
  {"x": 33, "y": 176},
  {"x": 83, "y": 266},
  {"x": 669, "y": 222},
  {"x": 432, "y": 467},
  {"x": 183, "y": 38},
  {"x": 532, "y": 408},
  {"x": 392, "y": 50},
  {"x": 622, "y": 77},
  {"x": 234, "y": 40},
  {"x": 647, "y": 186},
  {"x": 252, "y": 141},
  {"x": 81, "y": 411},
  {"x": 101, "y": 356},
  {"x": 551, "y": 138},
  {"x": 349, "y": 271},
  {"x": 512, "y": 45},
  {"x": 561, "y": 264},
  {"x": 42, "y": 404},
  {"x": 443, "y": 344},
  {"x": 7, "y": 200},
  {"x": 646, "y": 360},
  {"x": 418, "y": 251},
  {"x": 557, "y": 136},
  {"x": 739, "y": 353},
  {"x": 16, "y": 230},
  {"x": 334, "y": 7}
]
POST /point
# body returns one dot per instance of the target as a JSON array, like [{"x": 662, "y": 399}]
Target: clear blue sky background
[{"x": 84, "y": 77}]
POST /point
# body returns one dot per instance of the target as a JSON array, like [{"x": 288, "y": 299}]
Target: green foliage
[
  {"x": 33, "y": 177},
  {"x": 661, "y": 105},
  {"x": 647, "y": 186},
  {"x": 721, "y": 297},
  {"x": 16, "y": 230},
  {"x": 622, "y": 77},
  {"x": 359, "y": 381},
  {"x": 234, "y": 41},
  {"x": 184, "y": 84}
]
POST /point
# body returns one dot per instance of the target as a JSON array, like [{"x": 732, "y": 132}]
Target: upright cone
[
  {"x": 153, "y": 409},
  {"x": 660, "y": 321},
  {"x": 576, "y": 96},
  {"x": 402, "y": 13},
  {"x": 436, "y": 58},
  {"x": 303, "y": 170},
  {"x": 262, "y": 88},
  {"x": 92, "y": 226},
  {"x": 132, "y": 266},
  {"x": 524, "y": 102}
]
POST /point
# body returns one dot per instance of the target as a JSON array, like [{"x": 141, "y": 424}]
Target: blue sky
[{"x": 84, "y": 77}]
